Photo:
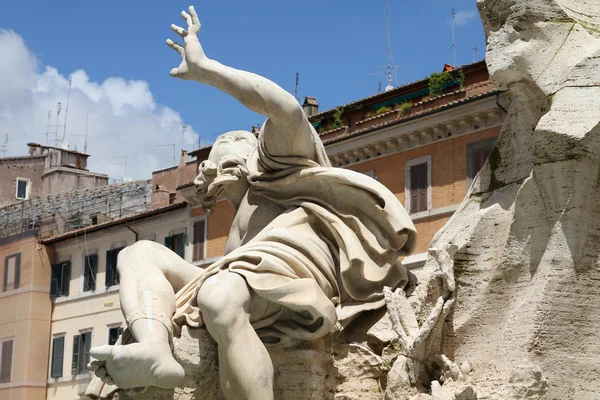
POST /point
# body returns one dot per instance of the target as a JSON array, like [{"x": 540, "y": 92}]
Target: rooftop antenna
[
  {"x": 296, "y": 88},
  {"x": 5, "y": 145},
  {"x": 48, "y": 125},
  {"x": 171, "y": 144},
  {"x": 453, "y": 41},
  {"x": 63, "y": 143},
  {"x": 58, "y": 108},
  {"x": 390, "y": 64},
  {"x": 183, "y": 130},
  {"x": 474, "y": 52},
  {"x": 87, "y": 116},
  {"x": 379, "y": 87}
]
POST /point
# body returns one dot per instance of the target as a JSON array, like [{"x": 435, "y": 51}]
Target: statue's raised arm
[{"x": 287, "y": 131}]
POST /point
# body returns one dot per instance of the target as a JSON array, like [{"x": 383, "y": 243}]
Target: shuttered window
[
  {"x": 176, "y": 243},
  {"x": 60, "y": 279},
  {"x": 199, "y": 239},
  {"x": 113, "y": 334},
  {"x": 6, "y": 360},
  {"x": 418, "y": 187},
  {"x": 58, "y": 351},
  {"x": 81, "y": 353},
  {"x": 477, "y": 154},
  {"x": 112, "y": 274},
  {"x": 90, "y": 267},
  {"x": 12, "y": 272}
]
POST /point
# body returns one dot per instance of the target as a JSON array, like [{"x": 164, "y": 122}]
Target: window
[
  {"x": 176, "y": 243},
  {"x": 418, "y": 184},
  {"x": 58, "y": 351},
  {"x": 477, "y": 154},
  {"x": 81, "y": 352},
  {"x": 199, "y": 240},
  {"x": 112, "y": 274},
  {"x": 6, "y": 359},
  {"x": 12, "y": 272},
  {"x": 90, "y": 266},
  {"x": 60, "y": 279},
  {"x": 22, "y": 188},
  {"x": 113, "y": 334}
]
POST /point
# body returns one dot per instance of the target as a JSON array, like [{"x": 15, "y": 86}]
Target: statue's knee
[
  {"x": 132, "y": 255},
  {"x": 222, "y": 302}
]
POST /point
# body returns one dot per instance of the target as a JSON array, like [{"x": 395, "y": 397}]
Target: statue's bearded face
[{"x": 225, "y": 166}]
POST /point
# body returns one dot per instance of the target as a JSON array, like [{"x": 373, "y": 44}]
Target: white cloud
[
  {"x": 463, "y": 17},
  {"x": 124, "y": 119}
]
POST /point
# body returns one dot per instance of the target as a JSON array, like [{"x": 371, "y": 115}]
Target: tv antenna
[
  {"x": 183, "y": 130},
  {"x": 48, "y": 126},
  {"x": 390, "y": 63},
  {"x": 4, "y": 147},
  {"x": 474, "y": 52},
  {"x": 453, "y": 41},
  {"x": 172, "y": 145},
  {"x": 63, "y": 143},
  {"x": 85, "y": 140},
  {"x": 58, "y": 108}
]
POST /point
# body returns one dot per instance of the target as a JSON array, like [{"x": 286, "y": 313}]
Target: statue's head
[{"x": 224, "y": 168}]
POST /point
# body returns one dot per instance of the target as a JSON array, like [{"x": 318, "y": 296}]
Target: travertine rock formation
[{"x": 524, "y": 246}]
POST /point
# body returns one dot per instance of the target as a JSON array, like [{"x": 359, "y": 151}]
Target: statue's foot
[{"x": 137, "y": 365}]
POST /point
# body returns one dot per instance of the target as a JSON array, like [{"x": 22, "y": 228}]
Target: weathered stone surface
[{"x": 524, "y": 247}]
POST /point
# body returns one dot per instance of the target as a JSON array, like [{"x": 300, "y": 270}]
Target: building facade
[
  {"x": 25, "y": 310},
  {"x": 45, "y": 170}
]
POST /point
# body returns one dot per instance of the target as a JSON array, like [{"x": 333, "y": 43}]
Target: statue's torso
[{"x": 253, "y": 215}]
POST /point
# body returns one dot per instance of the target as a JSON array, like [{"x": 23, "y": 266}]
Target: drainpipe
[
  {"x": 136, "y": 234},
  {"x": 500, "y": 105}
]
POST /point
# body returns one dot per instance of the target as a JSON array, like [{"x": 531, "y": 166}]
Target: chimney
[
  {"x": 310, "y": 106},
  {"x": 184, "y": 158}
]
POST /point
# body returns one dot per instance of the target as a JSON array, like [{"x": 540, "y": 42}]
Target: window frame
[
  {"x": 115, "y": 274},
  {"x": 17, "y": 272},
  {"x": 81, "y": 368},
  {"x": 52, "y": 355},
  {"x": 169, "y": 240},
  {"x": 193, "y": 222},
  {"x": 61, "y": 292},
  {"x": 118, "y": 326},
  {"x": 94, "y": 285},
  {"x": 11, "y": 339},
  {"x": 413, "y": 163},
  {"x": 472, "y": 147},
  {"x": 27, "y": 188}
]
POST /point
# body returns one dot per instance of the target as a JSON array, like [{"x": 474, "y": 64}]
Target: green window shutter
[
  {"x": 109, "y": 278},
  {"x": 6, "y": 361},
  {"x": 75, "y": 359},
  {"x": 181, "y": 246},
  {"x": 168, "y": 242},
  {"x": 58, "y": 349},
  {"x": 55, "y": 281},
  {"x": 117, "y": 278},
  {"x": 5, "y": 281},
  {"x": 93, "y": 261},
  {"x": 66, "y": 278},
  {"x": 87, "y": 345},
  {"x": 17, "y": 270}
]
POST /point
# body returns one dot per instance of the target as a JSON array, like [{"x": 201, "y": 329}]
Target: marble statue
[{"x": 309, "y": 247}]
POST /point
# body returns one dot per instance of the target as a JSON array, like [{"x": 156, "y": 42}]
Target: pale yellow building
[
  {"x": 86, "y": 289},
  {"x": 25, "y": 310}
]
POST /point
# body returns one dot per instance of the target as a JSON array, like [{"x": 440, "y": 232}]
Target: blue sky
[{"x": 333, "y": 44}]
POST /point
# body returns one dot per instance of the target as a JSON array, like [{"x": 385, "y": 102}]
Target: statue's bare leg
[
  {"x": 245, "y": 368},
  {"x": 151, "y": 274}
]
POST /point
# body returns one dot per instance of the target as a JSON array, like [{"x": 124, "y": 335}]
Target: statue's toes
[{"x": 138, "y": 391}]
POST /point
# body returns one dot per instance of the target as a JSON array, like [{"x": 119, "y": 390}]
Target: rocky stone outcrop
[{"x": 524, "y": 246}]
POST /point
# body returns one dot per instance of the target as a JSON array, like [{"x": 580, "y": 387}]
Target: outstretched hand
[{"x": 192, "y": 54}]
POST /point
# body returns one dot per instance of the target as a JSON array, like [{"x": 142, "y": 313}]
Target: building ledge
[
  {"x": 17, "y": 384},
  {"x": 435, "y": 212},
  {"x": 25, "y": 289},
  {"x": 70, "y": 378},
  {"x": 85, "y": 295}
]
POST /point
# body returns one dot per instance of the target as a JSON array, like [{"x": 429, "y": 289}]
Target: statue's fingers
[
  {"x": 187, "y": 18},
  {"x": 177, "y": 47},
  {"x": 101, "y": 353},
  {"x": 100, "y": 372},
  {"x": 95, "y": 365},
  {"x": 195, "y": 19},
  {"x": 179, "y": 30}
]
